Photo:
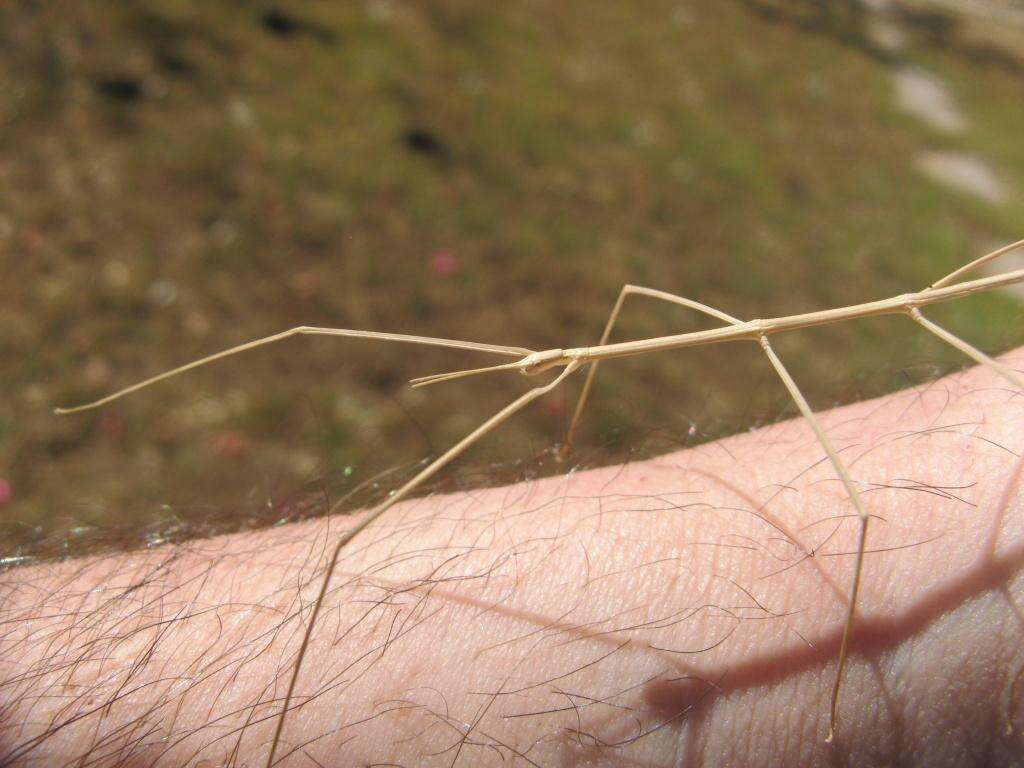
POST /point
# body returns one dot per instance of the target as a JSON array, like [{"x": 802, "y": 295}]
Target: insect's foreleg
[
  {"x": 437, "y": 464},
  {"x": 299, "y": 331},
  {"x": 628, "y": 290},
  {"x": 851, "y": 490}
]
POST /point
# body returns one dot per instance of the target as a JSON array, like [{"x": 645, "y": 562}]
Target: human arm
[{"x": 682, "y": 610}]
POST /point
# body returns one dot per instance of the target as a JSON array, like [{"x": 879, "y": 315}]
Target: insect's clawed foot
[{"x": 563, "y": 452}]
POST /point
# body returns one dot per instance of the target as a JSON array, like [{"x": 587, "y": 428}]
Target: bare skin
[
  {"x": 571, "y": 360},
  {"x": 681, "y": 611}
]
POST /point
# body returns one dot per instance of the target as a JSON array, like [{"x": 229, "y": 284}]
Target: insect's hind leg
[
  {"x": 805, "y": 410},
  {"x": 630, "y": 290},
  {"x": 1011, "y": 376},
  {"x": 968, "y": 349},
  {"x": 971, "y": 266},
  {"x": 843, "y": 472}
]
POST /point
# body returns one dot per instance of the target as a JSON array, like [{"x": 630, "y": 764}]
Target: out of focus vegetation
[{"x": 178, "y": 177}]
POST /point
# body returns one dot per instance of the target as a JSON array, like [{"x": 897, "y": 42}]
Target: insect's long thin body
[{"x": 752, "y": 330}]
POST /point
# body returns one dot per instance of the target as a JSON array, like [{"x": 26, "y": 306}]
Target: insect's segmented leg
[
  {"x": 627, "y": 290},
  {"x": 1011, "y": 376},
  {"x": 840, "y": 467},
  {"x": 808, "y": 414},
  {"x": 981, "y": 260},
  {"x": 851, "y": 491},
  {"x": 971, "y": 351},
  {"x": 498, "y": 418},
  {"x": 299, "y": 331}
]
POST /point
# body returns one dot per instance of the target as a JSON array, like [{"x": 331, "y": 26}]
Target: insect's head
[
  {"x": 530, "y": 365},
  {"x": 538, "y": 362}
]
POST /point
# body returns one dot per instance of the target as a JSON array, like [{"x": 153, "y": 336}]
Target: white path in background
[
  {"x": 965, "y": 172},
  {"x": 882, "y": 27},
  {"x": 1007, "y": 263},
  {"x": 927, "y": 98},
  {"x": 923, "y": 95}
]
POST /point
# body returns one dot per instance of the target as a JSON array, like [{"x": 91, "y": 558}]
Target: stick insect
[{"x": 530, "y": 362}]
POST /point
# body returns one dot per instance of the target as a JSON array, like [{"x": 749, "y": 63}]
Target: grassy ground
[{"x": 178, "y": 177}]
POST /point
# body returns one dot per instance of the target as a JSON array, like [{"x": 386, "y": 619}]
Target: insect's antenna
[
  {"x": 425, "y": 381},
  {"x": 953, "y": 276},
  {"x": 302, "y": 330},
  {"x": 424, "y": 474}
]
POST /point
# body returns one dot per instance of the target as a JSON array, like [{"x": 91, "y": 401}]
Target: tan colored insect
[{"x": 530, "y": 362}]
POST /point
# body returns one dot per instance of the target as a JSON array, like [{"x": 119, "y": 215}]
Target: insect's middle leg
[
  {"x": 862, "y": 515},
  {"x": 801, "y": 402},
  {"x": 629, "y": 290}
]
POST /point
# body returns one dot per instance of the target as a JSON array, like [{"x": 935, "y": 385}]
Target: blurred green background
[{"x": 178, "y": 177}]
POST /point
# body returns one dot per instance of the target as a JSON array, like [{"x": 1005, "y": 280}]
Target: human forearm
[{"x": 632, "y": 615}]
